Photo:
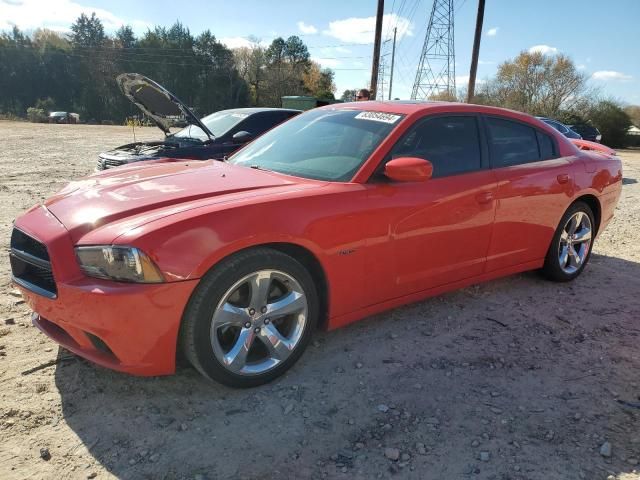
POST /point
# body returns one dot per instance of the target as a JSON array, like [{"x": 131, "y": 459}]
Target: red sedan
[{"x": 339, "y": 213}]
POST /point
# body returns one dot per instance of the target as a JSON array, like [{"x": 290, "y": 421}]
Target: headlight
[{"x": 124, "y": 264}]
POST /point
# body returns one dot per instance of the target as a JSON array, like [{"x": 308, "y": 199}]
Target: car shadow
[{"x": 532, "y": 369}]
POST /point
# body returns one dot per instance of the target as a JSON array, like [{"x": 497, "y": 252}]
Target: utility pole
[
  {"x": 376, "y": 49},
  {"x": 476, "y": 51},
  {"x": 393, "y": 57}
]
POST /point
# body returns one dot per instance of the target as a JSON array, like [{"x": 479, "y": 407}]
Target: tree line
[{"x": 76, "y": 72}]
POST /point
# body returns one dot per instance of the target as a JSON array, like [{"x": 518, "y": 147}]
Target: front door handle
[
  {"x": 484, "y": 197},
  {"x": 563, "y": 178}
]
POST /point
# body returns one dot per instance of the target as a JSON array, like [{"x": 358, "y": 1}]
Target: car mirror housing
[
  {"x": 242, "y": 137},
  {"x": 408, "y": 169}
]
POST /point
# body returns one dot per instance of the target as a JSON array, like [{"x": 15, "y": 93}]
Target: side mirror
[
  {"x": 408, "y": 169},
  {"x": 242, "y": 137}
]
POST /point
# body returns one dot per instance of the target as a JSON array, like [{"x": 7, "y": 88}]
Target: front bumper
[{"x": 128, "y": 327}]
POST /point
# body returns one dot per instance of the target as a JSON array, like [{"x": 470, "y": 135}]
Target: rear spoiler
[{"x": 593, "y": 147}]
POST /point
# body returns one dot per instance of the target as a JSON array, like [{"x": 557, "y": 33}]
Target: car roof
[
  {"x": 411, "y": 107},
  {"x": 252, "y": 110}
]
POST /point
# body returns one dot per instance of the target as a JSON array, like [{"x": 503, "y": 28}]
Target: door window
[
  {"x": 511, "y": 143},
  {"x": 451, "y": 144}
]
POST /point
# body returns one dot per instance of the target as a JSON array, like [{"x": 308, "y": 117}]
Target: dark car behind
[
  {"x": 561, "y": 127},
  {"x": 213, "y": 136},
  {"x": 231, "y": 128},
  {"x": 588, "y": 132}
]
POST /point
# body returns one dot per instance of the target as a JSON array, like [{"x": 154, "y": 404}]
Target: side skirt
[{"x": 342, "y": 320}]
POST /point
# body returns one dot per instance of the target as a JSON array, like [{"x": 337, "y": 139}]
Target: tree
[
  {"x": 250, "y": 63},
  {"x": 319, "y": 82},
  {"x": 634, "y": 113},
  {"x": 87, "y": 31},
  {"x": 612, "y": 121},
  {"x": 125, "y": 38},
  {"x": 348, "y": 95},
  {"x": 535, "y": 83}
]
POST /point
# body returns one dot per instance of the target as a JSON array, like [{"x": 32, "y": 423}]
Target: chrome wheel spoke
[
  {"x": 260, "y": 283},
  {"x": 236, "y": 358},
  {"x": 293, "y": 302},
  {"x": 230, "y": 316},
  {"x": 576, "y": 220},
  {"x": 564, "y": 255},
  {"x": 582, "y": 235},
  {"x": 574, "y": 258},
  {"x": 278, "y": 346}
]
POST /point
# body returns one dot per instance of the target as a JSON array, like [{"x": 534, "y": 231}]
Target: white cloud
[
  {"x": 544, "y": 49},
  {"x": 463, "y": 81},
  {"x": 308, "y": 29},
  {"x": 56, "y": 15},
  {"x": 327, "y": 62},
  {"x": 492, "y": 32},
  {"x": 239, "y": 42},
  {"x": 362, "y": 29},
  {"x": 610, "y": 75}
]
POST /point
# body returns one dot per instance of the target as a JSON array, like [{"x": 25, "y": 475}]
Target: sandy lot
[{"x": 514, "y": 379}]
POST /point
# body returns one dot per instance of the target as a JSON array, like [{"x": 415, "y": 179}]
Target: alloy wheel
[
  {"x": 575, "y": 241},
  {"x": 259, "y": 322}
]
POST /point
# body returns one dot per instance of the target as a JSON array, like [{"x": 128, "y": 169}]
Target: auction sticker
[{"x": 378, "y": 117}]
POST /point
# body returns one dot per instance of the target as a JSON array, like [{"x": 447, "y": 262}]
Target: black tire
[
  {"x": 552, "y": 269},
  {"x": 197, "y": 319}
]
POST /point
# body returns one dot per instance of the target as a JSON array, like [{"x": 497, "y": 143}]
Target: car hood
[
  {"x": 156, "y": 102},
  {"x": 138, "y": 194}
]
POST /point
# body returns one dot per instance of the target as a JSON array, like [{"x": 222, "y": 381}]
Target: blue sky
[{"x": 603, "y": 38}]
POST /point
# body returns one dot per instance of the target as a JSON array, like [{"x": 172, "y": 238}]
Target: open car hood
[{"x": 157, "y": 102}]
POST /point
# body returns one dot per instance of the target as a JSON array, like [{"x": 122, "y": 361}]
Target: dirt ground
[{"x": 518, "y": 378}]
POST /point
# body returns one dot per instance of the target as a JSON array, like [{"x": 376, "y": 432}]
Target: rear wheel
[
  {"x": 570, "y": 248},
  {"x": 250, "y": 318}
]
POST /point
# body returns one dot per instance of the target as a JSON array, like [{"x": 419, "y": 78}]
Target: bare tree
[{"x": 535, "y": 83}]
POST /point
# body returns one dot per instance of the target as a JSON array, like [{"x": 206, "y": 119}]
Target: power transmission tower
[
  {"x": 437, "y": 67},
  {"x": 381, "y": 79}
]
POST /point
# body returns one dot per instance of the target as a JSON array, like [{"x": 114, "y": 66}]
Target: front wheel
[
  {"x": 250, "y": 318},
  {"x": 571, "y": 246}
]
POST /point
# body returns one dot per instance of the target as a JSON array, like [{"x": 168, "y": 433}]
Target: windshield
[
  {"x": 219, "y": 123},
  {"x": 320, "y": 144}
]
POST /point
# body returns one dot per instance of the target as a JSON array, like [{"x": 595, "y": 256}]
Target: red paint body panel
[{"x": 379, "y": 244}]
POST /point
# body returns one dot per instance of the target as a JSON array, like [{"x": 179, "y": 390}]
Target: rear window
[
  {"x": 547, "y": 147},
  {"x": 512, "y": 143}
]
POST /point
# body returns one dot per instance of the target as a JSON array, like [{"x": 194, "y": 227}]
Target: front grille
[
  {"x": 104, "y": 163},
  {"x": 30, "y": 264}
]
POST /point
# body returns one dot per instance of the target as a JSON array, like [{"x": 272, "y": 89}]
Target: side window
[
  {"x": 547, "y": 148},
  {"x": 511, "y": 143},
  {"x": 257, "y": 124},
  {"x": 451, "y": 144}
]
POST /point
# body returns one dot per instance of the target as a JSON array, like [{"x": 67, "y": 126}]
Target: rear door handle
[
  {"x": 563, "y": 178},
  {"x": 484, "y": 197}
]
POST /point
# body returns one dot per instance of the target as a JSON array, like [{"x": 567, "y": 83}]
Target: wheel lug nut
[
  {"x": 257, "y": 329},
  {"x": 247, "y": 325},
  {"x": 266, "y": 321},
  {"x": 252, "y": 311},
  {"x": 263, "y": 309}
]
